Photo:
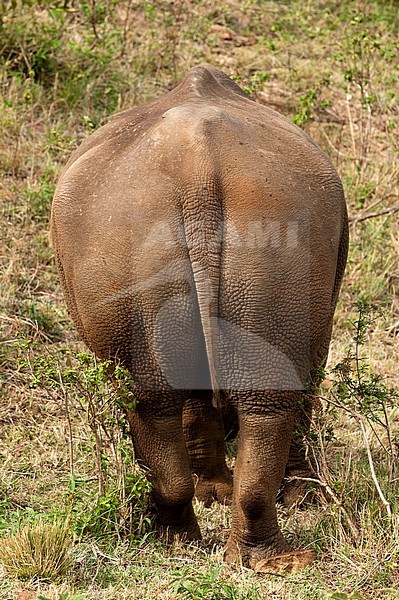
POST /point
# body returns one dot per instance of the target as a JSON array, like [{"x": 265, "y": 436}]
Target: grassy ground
[{"x": 64, "y": 67}]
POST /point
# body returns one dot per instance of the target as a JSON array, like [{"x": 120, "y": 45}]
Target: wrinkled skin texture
[{"x": 201, "y": 240}]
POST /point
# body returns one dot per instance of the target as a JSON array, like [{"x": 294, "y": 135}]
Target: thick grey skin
[{"x": 157, "y": 228}]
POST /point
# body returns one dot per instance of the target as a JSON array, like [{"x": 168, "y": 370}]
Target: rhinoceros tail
[{"x": 203, "y": 227}]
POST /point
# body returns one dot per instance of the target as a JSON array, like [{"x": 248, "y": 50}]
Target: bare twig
[
  {"x": 352, "y": 526},
  {"x": 338, "y": 152},
  {"x": 93, "y": 424},
  {"x": 68, "y": 416},
  {"x": 387, "y": 211},
  {"x": 125, "y": 29},
  {"x": 93, "y": 24},
  {"x": 392, "y": 447},
  {"x": 373, "y": 475},
  {"x": 352, "y": 131},
  {"x": 393, "y": 327}
]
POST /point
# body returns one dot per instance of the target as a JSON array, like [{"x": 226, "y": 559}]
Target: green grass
[{"x": 64, "y": 449}]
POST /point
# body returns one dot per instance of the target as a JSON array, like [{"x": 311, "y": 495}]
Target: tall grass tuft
[{"x": 40, "y": 551}]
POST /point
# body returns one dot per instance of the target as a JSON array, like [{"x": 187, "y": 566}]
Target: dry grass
[
  {"x": 41, "y": 551},
  {"x": 332, "y": 67}
]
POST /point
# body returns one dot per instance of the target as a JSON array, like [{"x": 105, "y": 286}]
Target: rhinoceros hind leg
[{"x": 204, "y": 437}]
